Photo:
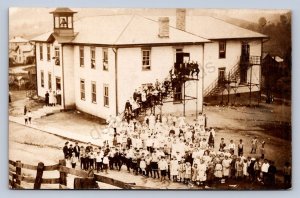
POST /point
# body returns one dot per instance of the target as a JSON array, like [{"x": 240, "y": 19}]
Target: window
[
  {"x": 106, "y": 96},
  {"x": 57, "y": 56},
  {"x": 94, "y": 92},
  {"x": 49, "y": 81},
  {"x": 42, "y": 78},
  {"x": 41, "y": 51},
  {"x": 105, "y": 59},
  {"x": 81, "y": 55},
  {"x": 48, "y": 52},
  {"x": 222, "y": 49},
  {"x": 146, "y": 53},
  {"x": 93, "y": 63},
  {"x": 221, "y": 76},
  {"x": 82, "y": 89}
]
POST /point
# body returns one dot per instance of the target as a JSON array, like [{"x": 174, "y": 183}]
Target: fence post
[
  {"x": 62, "y": 175},
  {"x": 39, "y": 176},
  {"x": 18, "y": 171}
]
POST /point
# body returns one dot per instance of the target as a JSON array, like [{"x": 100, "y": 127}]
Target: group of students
[
  {"x": 146, "y": 96},
  {"x": 149, "y": 95},
  {"x": 172, "y": 149}
]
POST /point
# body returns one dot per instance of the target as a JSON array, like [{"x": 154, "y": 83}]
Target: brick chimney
[
  {"x": 163, "y": 27},
  {"x": 180, "y": 18}
]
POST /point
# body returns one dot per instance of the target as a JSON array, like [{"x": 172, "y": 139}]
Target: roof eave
[{"x": 238, "y": 38}]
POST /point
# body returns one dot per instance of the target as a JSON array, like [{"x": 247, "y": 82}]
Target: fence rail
[{"x": 83, "y": 179}]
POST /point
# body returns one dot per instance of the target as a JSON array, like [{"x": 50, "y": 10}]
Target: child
[
  {"x": 239, "y": 168},
  {"x": 174, "y": 169},
  {"x": 254, "y": 145},
  {"x": 143, "y": 166},
  {"x": 202, "y": 172},
  {"x": 218, "y": 170},
  {"x": 226, "y": 166},
  {"x": 240, "y": 148},
  {"x": 222, "y": 145},
  {"x": 105, "y": 163},
  {"x": 181, "y": 171},
  {"x": 210, "y": 173},
  {"x": 245, "y": 169},
  {"x": 163, "y": 167},
  {"x": 83, "y": 159},
  {"x": 26, "y": 118},
  {"x": 195, "y": 173},
  {"x": 98, "y": 161},
  {"x": 188, "y": 172},
  {"x": 29, "y": 115},
  {"x": 74, "y": 160},
  {"x": 231, "y": 147},
  {"x": 287, "y": 172}
]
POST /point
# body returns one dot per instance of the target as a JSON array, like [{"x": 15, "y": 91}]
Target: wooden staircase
[{"x": 217, "y": 87}]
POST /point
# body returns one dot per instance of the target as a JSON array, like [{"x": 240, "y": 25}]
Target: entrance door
[
  {"x": 245, "y": 51},
  {"x": 221, "y": 77},
  {"x": 58, "y": 83},
  {"x": 245, "y": 56},
  {"x": 58, "y": 90}
]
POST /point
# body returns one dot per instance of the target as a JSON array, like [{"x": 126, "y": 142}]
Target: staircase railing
[{"x": 215, "y": 83}]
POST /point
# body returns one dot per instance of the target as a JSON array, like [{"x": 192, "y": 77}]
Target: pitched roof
[
  {"x": 43, "y": 37},
  {"x": 214, "y": 28},
  {"x": 18, "y": 40},
  {"x": 127, "y": 30},
  {"x": 25, "y": 48},
  {"x": 63, "y": 10},
  {"x": 121, "y": 30}
]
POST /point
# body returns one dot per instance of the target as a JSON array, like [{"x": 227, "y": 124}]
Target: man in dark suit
[
  {"x": 71, "y": 150},
  {"x": 117, "y": 159},
  {"x": 47, "y": 98},
  {"x": 66, "y": 150},
  {"x": 77, "y": 150}
]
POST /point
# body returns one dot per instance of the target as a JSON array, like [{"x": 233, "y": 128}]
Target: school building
[{"x": 97, "y": 62}]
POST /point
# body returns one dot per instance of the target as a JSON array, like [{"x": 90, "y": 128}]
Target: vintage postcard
[{"x": 196, "y": 99}]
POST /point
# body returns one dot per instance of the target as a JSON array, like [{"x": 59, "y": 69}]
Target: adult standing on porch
[
  {"x": 50, "y": 98},
  {"x": 47, "y": 98},
  {"x": 54, "y": 98}
]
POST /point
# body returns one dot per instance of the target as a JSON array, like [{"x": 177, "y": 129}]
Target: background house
[{"x": 25, "y": 54}]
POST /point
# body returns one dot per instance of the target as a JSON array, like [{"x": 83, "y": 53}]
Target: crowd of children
[{"x": 169, "y": 148}]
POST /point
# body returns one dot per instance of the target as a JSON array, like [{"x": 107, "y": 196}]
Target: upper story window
[
  {"x": 41, "y": 51},
  {"x": 146, "y": 59},
  {"x": 222, "y": 49},
  {"x": 106, "y": 95},
  {"x": 81, "y": 55},
  {"x": 48, "y": 52},
  {"x": 82, "y": 89},
  {"x": 93, "y": 63},
  {"x": 105, "y": 59},
  {"x": 42, "y": 79},
  {"x": 49, "y": 81},
  {"x": 57, "y": 56},
  {"x": 94, "y": 92}
]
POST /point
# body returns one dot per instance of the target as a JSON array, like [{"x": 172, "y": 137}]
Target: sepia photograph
[{"x": 150, "y": 99}]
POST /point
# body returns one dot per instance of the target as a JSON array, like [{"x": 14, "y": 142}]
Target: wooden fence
[{"x": 83, "y": 179}]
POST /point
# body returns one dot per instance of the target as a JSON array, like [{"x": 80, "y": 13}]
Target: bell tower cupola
[{"x": 63, "y": 22}]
